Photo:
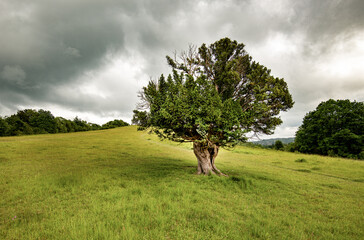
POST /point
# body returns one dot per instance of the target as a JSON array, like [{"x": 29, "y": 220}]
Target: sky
[{"x": 89, "y": 58}]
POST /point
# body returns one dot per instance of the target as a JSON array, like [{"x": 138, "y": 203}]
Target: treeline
[
  {"x": 30, "y": 121},
  {"x": 335, "y": 128},
  {"x": 277, "y": 145},
  {"x": 295, "y": 147}
]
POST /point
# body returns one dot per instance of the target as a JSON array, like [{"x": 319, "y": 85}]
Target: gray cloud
[
  {"x": 325, "y": 21},
  {"x": 55, "y": 44},
  {"x": 59, "y": 53},
  {"x": 13, "y": 74}
]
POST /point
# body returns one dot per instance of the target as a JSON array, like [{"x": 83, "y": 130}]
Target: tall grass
[{"x": 124, "y": 184}]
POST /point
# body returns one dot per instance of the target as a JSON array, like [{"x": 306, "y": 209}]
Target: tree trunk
[{"x": 206, "y": 156}]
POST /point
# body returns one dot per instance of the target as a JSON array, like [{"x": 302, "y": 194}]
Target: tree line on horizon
[
  {"x": 30, "y": 121},
  {"x": 276, "y": 144},
  {"x": 335, "y": 128}
]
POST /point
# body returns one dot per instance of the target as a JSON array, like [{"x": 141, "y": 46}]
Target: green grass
[{"x": 124, "y": 184}]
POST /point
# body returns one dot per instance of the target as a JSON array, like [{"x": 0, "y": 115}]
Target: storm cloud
[{"x": 89, "y": 58}]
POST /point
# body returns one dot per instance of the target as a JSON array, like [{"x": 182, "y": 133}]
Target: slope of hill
[
  {"x": 271, "y": 141},
  {"x": 124, "y": 184}
]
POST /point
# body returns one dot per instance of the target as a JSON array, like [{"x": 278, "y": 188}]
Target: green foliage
[
  {"x": 64, "y": 125},
  {"x": 278, "y": 145},
  {"x": 29, "y": 121},
  {"x": 115, "y": 123},
  {"x": 45, "y": 121},
  {"x": 290, "y": 147},
  {"x": 140, "y": 118},
  {"x": 335, "y": 128},
  {"x": 17, "y": 126},
  {"x": 40, "y": 121},
  {"x": 80, "y": 125},
  {"x": 216, "y": 95},
  {"x": 4, "y": 127}
]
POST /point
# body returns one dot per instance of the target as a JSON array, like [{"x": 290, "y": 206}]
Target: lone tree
[
  {"x": 335, "y": 128},
  {"x": 215, "y": 95},
  {"x": 278, "y": 145}
]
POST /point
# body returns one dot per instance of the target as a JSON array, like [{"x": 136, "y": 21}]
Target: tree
[
  {"x": 40, "y": 121},
  {"x": 335, "y": 128},
  {"x": 278, "y": 145},
  {"x": 3, "y": 127},
  {"x": 115, "y": 123},
  {"x": 290, "y": 147},
  {"x": 80, "y": 125},
  {"x": 45, "y": 122},
  {"x": 140, "y": 118},
  {"x": 17, "y": 126},
  {"x": 94, "y": 126},
  {"x": 61, "y": 125},
  {"x": 215, "y": 95}
]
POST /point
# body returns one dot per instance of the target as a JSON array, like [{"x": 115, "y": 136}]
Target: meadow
[{"x": 124, "y": 184}]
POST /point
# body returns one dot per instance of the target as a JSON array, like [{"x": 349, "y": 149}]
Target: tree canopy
[
  {"x": 214, "y": 96},
  {"x": 335, "y": 128},
  {"x": 278, "y": 145}
]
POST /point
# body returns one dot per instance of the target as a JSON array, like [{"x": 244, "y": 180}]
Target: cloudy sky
[{"x": 89, "y": 58}]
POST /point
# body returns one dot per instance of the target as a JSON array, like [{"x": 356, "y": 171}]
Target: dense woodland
[{"x": 30, "y": 121}]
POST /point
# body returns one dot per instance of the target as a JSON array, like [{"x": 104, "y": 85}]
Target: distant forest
[
  {"x": 271, "y": 141},
  {"x": 30, "y": 121}
]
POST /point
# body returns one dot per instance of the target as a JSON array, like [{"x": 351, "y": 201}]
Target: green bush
[{"x": 301, "y": 160}]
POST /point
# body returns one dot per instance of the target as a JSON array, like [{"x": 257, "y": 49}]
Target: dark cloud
[
  {"x": 326, "y": 21},
  {"x": 46, "y": 44}
]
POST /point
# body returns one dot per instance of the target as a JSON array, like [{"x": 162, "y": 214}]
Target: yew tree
[{"x": 214, "y": 96}]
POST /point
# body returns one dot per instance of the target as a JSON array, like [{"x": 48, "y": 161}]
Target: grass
[{"x": 124, "y": 184}]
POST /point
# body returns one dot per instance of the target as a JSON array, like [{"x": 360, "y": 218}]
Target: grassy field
[{"x": 124, "y": 184}]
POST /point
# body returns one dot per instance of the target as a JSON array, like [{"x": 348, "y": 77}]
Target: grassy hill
[
  {"x": 271, "y": 141},
  {"x": 124, "y": 184}
]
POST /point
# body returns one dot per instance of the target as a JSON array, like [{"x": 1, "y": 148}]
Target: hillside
[
  {"x": 271, "y": 141},
  {"x": 125, "y": 184}
]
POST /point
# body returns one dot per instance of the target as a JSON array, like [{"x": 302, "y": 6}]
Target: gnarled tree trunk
[{"x": 206, "y": 155}]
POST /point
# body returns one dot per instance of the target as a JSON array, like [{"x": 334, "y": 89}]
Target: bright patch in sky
[{"x": 346, "y": 59}]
